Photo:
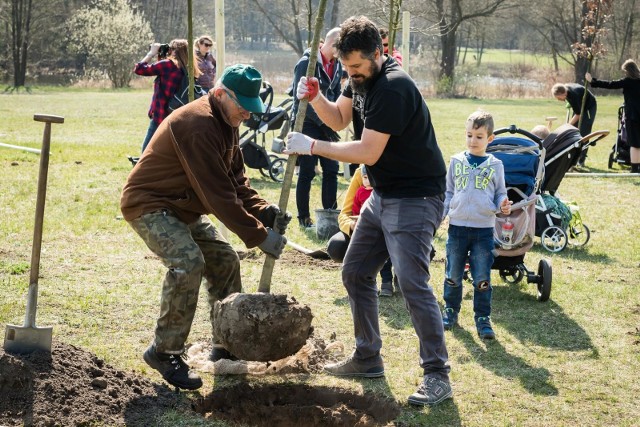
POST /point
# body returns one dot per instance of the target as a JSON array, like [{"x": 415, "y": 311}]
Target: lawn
[{"x": 573, "y": 360}]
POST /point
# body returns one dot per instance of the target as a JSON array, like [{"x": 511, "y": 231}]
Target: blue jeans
[
  {"x": 306, "y": 175},
  {"x": 152, "y": 129},
  {"x": 402, "y": 229},
  {"x": 475, "y": 245}
]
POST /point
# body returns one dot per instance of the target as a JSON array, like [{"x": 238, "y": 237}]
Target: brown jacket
[{"x": 193, "y": 166}]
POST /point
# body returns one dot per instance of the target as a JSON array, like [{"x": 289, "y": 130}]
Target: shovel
[
  {"x": 28, "y": 337},
  {"x": 269, "y": 261},
  {"x": 317, "y": 254}
]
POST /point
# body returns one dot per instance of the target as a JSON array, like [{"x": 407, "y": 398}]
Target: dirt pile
[
  {"x": 262, "y": 327},
  {"x": 73, "y": 387}
]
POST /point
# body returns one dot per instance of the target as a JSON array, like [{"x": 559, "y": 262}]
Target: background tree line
[{"x": 72, "y": 39}]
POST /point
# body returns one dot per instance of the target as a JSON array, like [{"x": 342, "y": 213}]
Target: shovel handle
[
  {"x": 270, "y": 262},
  {"x": 32, "y": 298}
]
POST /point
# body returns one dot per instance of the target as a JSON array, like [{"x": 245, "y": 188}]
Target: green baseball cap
[{"x": 245, "y": 81}]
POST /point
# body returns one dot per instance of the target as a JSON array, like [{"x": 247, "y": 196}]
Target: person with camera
[
  {"x": 193, "y": 168},
  {"x": 169, "y": 70}
]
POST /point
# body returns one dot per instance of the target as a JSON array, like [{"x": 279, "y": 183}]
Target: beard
[{"x": 365, "y": 84}]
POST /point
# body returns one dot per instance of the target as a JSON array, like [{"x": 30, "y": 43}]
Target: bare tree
[
  {"x": 564, "y": 24},
  {"x": 21, "y": 14}
]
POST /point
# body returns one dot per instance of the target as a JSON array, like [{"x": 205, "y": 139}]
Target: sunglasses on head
[{"x": 207, "y": 44}]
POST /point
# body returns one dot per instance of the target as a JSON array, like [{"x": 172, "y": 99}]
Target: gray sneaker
[
  {"x": 386, "y": 289},
  {"x": 431, "y": 392},
  {"x": 352, "y": 367}
]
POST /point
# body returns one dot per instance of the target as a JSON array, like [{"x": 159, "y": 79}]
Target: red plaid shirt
[{"x": 169, "y": 77}]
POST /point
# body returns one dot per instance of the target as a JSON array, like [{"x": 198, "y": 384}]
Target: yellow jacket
[{"x": 344, "y": 218}]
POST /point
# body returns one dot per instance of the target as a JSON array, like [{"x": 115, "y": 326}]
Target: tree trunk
[
  {"x": 628, "y": 33},
  {"x": 20, "y": 26},
  {"x": 335, "y": 13}
]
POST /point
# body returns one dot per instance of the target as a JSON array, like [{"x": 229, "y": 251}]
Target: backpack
[{"x": 181, "y": 95}]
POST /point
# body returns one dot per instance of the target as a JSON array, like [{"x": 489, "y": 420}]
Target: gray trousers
[
  {"x": 190, "y": 252},
  {"x": 402, "y": 229}
]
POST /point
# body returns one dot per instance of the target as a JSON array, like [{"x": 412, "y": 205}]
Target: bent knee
[
  {"x": 483, "y": 286},
  {"x": 450, "y": 282}
]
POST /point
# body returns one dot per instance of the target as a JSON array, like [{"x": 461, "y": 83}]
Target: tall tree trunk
[
  {"x": 20, "y": 26},
  {"x": 628, "y": 33},
  {"x": 335, "y": 13}
]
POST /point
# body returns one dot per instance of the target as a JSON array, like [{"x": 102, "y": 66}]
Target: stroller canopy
[
  {"x": 563, "y": 148},
  {"x": 520, "y": 157}
]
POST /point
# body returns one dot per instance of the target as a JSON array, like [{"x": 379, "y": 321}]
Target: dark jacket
[
  {"x": 329, "y": 86},
  {"x": 631, "y": 92}
]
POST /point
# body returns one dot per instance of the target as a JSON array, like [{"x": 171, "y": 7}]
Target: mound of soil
[{"x": 73, "y": 387}]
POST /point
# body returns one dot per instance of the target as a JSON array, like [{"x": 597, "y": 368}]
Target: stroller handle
[{"x": 513, "y": 129}]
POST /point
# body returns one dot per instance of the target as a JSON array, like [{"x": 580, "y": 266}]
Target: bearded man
[{"x": 407, "y": 171}]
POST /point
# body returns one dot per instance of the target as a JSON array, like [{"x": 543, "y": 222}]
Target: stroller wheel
[
  {"x": 554, "y": 239},
  {"x": 511, "y": 275},
  {"x": 277, "y": 169},
  {"x": 265, "y": 171},
  {"x": 545, "y": 276},
  {"x": 579, "y": 235},
  {"x": 610, "y": 163}
]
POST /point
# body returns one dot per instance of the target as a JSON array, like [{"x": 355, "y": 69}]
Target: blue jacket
[
  {"x": 329, "y": 86},
  {"x": 474, "y": 195}
]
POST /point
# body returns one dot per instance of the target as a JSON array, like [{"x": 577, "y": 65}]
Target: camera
[{"x": 163, "y": 50}]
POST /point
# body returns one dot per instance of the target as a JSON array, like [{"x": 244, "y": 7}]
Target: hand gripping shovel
[{"x": 28, "y": 337}]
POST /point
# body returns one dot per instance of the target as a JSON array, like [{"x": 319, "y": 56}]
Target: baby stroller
[
  {"x": 523, "y": 159},
  {"x": 559, "y": 224},
  {"x": 620, "y": 150},
  {"x": 274, "y": 118}
]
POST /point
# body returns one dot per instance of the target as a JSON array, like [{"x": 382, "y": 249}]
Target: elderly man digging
[{"x": 193, "y": 167}]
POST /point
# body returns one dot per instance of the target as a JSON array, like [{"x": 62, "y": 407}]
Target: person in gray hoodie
[{"x": 475, "y": 192}]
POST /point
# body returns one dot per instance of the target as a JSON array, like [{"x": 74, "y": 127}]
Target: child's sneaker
[
  {"x": 449, "y": 318},
  {"x": 485, "y": 331}
]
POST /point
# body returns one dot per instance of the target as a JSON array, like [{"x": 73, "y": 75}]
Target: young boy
[{"x": 475, "y": 191}]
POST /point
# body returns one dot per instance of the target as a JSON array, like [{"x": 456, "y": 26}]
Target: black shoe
[
  {"x": 218, "y": 353},
  {"x": 306, "y": 223},
  {"x": 133, "y": 160},
  {"x": 173, "y": 369}
]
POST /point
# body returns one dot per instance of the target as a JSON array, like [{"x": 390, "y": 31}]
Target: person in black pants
[
  {"x": 573, "y": 93},
  {"x": 630, "y": 86},
  {"x": 328, "y": 71}
]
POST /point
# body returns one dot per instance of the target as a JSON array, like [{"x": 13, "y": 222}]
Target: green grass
[{"x": 572, "y": 360}]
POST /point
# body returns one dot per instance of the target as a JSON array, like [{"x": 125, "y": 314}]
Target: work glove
[
  {"x": 298, "y": 143},
  {"x": 308, "y": 88},
  {"x": 274, "y": 244},
  {"x": 272, "y": 216}
]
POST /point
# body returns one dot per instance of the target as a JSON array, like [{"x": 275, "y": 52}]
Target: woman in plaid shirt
[{"x": 169, "y": 73}]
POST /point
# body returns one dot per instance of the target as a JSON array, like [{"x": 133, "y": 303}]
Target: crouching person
[{"x": 193, "y": 167}]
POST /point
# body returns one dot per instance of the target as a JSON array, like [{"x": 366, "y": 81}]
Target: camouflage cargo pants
[{"x": 189, "y": 251}]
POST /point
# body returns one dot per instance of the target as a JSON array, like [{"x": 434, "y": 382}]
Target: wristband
[{"x": 311, "y": 147}]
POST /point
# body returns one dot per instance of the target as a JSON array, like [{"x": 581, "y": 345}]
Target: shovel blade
[{"x": 27, "y": 339}]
